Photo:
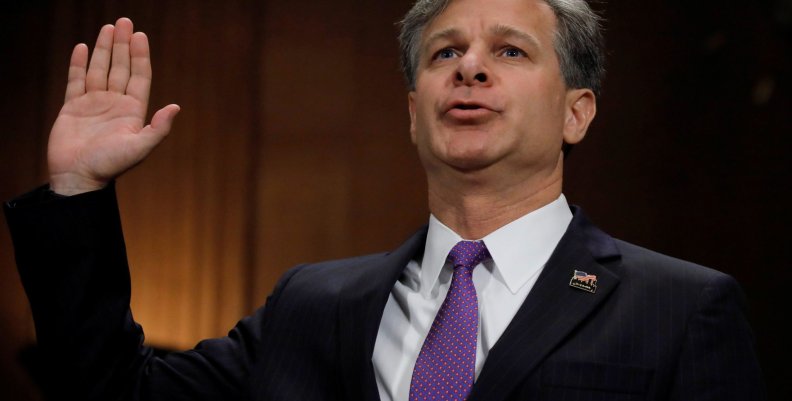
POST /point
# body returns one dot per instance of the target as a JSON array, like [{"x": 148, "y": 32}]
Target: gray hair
[{"x": 578, "y": 41}]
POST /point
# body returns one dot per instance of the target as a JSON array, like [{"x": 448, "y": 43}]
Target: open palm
[{"x": 100, "y": 131}]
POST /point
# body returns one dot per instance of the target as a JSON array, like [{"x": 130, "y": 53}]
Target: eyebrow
[
  {"x": 506, "y": 31},
  {"x": 500, "y": 30},
  {"x": 448, "y": 33}
]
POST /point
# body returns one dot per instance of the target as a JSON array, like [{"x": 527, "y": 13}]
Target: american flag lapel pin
[{"x": 583, "y": 281}]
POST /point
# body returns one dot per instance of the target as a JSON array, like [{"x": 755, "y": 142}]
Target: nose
[{"x": 472, "y": 71}]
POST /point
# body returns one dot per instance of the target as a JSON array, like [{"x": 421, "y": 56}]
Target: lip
[
  {"x": 471, "y": 114},
  {"x": 467, "y": 104},
  {"x": 469, "y": 110}
]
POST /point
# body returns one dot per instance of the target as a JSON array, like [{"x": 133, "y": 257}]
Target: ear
[
  {"x": 580, "y": 111},
  {"x": 411, "y": 108}
]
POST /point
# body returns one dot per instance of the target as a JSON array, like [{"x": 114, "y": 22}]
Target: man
[{"x": 508, "y": 294}]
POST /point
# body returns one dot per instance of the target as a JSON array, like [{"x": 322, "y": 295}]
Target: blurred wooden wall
[{"x": 293, "y": 146}]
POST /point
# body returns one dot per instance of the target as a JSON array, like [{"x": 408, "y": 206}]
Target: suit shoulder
[
  {"x": 330, "y": 277},
  {"x": 648, "y": 264},
  {"x": 340, "y": 267},
  {"x": 345, "y": 262},
  {"x": 327, "y": 276}
]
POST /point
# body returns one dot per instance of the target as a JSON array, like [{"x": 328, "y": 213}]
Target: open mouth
[
  {"x": 469, "y": 111},
  {"x": 467, "y": 107}
]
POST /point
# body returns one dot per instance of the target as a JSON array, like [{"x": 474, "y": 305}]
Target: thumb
[{"x": 161, "y": 124}]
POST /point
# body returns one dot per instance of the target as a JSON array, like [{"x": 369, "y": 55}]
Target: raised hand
[{"x": 100, "y": 132}]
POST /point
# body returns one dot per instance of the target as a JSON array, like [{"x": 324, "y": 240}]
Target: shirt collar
[{"x": 519, "y": 249}]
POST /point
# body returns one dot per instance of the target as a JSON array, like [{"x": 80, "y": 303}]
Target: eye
[
  {"x": 445, "y": 53},
  {"x": 512, "y": 52}
]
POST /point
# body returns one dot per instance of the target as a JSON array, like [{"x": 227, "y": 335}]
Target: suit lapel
[
  {"x": 551, "y": 310},
  {"x": 360, "y": 312}
]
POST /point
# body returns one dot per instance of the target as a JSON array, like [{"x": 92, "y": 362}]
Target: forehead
[{"x": 475, "y": 17}]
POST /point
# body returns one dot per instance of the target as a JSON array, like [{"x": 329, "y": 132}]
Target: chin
[
  {"x": 470, "y": 154},
  {"x": 469, "y": 162}
]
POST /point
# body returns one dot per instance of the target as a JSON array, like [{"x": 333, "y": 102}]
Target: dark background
[{"x": 292, "y": 146}]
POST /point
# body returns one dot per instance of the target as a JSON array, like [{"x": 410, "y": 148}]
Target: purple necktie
[{"x": 446, "y": 366}]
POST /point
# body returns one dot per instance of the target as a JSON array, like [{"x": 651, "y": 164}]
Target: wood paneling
[{"x": 337, "y": 173}]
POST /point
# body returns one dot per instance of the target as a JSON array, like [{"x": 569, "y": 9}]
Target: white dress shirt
[{"x": 519, "y": 251}]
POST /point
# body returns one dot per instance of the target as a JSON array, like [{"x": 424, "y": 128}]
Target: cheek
[
  {"x": 424, "y": 118},
  {"x": 538, "y": 121},
  {"x": 544, "y": 107}
]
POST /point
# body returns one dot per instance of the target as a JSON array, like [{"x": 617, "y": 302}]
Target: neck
[{"x": 474, "y": 204}]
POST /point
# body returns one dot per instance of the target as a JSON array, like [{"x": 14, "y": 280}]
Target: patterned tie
[{"x": 446, "y": 366}]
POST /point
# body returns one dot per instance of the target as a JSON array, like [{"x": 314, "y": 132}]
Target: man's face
[{"x": 489, "y": 90}]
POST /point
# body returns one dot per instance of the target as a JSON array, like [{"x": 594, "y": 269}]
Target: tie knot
[{"x": 468, "y": 254}]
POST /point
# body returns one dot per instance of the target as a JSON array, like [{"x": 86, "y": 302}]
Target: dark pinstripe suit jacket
[{"x": 656, "y": 328}]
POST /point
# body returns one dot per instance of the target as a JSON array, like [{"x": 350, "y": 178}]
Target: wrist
[{"x": 68, "y": 184}]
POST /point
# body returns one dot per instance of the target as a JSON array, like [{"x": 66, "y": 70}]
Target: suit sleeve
[
  {"x": 72, "y": 261},
  {"x": 718, "y": 360}
]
